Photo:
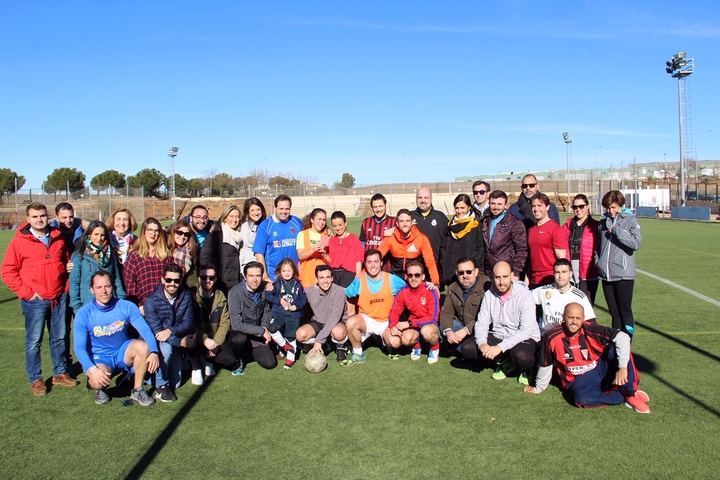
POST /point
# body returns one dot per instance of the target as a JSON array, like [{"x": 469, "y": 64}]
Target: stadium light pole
[
  {"x": 681, "y": 67},
  {"x": 172, "y": 153},
  {"x": 568, "y": 141}
]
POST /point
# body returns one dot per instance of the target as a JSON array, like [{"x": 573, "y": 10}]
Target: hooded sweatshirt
[{"x": 415, "y": 247}]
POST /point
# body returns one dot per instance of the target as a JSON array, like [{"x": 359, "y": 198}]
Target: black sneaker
[
  {"x": 342, "y": 353},
  {"x": 164, "y": 394}
]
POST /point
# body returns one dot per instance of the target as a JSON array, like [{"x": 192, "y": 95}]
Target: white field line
[{"x": 681, "y": 288}]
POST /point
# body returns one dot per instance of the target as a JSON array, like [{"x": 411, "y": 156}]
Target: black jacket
[{"x": 225, "y": 257}]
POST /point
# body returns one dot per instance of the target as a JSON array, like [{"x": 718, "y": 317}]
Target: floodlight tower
[
  {"x": 172, "y": 153},
  {"x": 568, "y": 141},
  {"x": 680, "y": 67}
]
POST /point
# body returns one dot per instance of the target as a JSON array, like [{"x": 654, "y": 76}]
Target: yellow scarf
[{"x": 459, "y": 227}]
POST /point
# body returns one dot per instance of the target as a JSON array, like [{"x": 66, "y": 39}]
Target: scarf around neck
[
  {"x": 459, "y": 227},
  {"x": 101, "y": 253},
  {"x": 230, "y": 236}
]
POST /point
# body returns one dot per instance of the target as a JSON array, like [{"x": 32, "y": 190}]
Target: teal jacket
[{"x": 83, "y": 268}]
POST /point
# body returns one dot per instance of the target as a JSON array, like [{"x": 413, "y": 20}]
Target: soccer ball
[{"x": 315, "y": 362}]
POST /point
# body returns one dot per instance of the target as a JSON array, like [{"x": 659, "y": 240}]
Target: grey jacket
[
  {"x": 246, "y": 315},
  {"x": 619, "y": 239},
  {"x": 512, "y": 322}
]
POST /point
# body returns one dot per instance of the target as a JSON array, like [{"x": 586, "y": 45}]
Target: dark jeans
[
  {"x": 589, "y": 288},
  {"x": 39, "y": 313},
  {"x": 522, "y": 355},
  {"x": 225, "y": 357},
  {"x": 618, "y": 296},
  {"x": 595, "y": 388},
  {"x": 244, "y": 345}
]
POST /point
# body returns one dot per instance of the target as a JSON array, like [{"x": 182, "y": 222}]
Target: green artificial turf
[{"x": 398, "y": 419}]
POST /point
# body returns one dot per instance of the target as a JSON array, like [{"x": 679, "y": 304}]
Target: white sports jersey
[{"x": 553, "y": 304}]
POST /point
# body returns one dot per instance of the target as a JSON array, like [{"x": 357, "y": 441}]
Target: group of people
[{"x": 252, "y": 287}]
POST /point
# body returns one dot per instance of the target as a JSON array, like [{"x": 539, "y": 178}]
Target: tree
[
  {"x": 182, "y": 185},
  {"x": 149, "y": 179},
  {"x": 63, "y": 178},
  {"x": 7, "y": 180},
  {"x": 347, "y": 180},
  {"x": 111, "y": 178}
]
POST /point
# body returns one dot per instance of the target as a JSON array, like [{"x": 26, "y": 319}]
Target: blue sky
[{"x": 421, "y": 91}]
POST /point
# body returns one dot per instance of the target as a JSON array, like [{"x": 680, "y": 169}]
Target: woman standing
[
  {"x": 312, "y": 244},
  {"x": 583, "y": 237},
  {"x": 148, "y": 256},
  {"x": 254, "y": 214},
  {"x": 122, "y": 225},
  {"x": 184, "y": 250},
  {"x": 463, "y": 239},
  {"x": 92, "y": 253},
  {"x": 345, "y": 252},
  {"x": 222, "y": 248},
  {"x": 619, "y": 239}
]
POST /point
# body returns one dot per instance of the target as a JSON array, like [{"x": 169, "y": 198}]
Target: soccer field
[{"x": 400, "y": 419}]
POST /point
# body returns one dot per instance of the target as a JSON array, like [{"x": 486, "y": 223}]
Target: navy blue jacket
[{"x": 178, "y": 317}]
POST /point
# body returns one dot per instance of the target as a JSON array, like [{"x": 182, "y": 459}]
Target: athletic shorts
[
  {"x": 116, "y": 361},
  {"x": 316, "y": 326},
  {"x": 373, "y": 326}
]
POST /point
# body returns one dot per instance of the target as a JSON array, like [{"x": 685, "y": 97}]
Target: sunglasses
[
  {"x": 479, "y": 192},
  {"x": 212, "y": 278},
  {"x": 465, "y": 272},
  {"x": 578, "y": 207},
  {"x": 176, "y": 281},
  {"x": 184, "y": 234},
  {"x": 413, "y": 275},
  {"x": 528, "y": 185}
]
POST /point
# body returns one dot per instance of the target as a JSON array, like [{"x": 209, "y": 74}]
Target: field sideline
[{"x": 399, "y": 419}]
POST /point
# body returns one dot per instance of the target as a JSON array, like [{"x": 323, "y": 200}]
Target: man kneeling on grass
[
  {"x": 103, "y": 344},
  {"x": 421, "y": 305},
  {"x": 593, "y": 362}
]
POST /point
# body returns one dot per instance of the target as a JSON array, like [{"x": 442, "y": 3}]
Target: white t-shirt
[{"x": 553, "y": 304}]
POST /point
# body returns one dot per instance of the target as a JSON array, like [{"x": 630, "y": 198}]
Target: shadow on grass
[{"x": 156, "y": 447}]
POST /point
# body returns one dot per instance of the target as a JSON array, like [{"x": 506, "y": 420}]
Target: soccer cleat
[
  {"x": 140, "y": 396},
  {"x": 357, "y": 358},
  {"x": 501, "y": 370},
  {"x": 394, "y": 356},
  {"x": 196, "y": 377},
  {"x": 415, "y": 354},
  {"x": 101, "y": 397},
  {"x": 642, "y": 396},
  {"x": 240, "y": 370},
  {"x": 636, "y": 403},
  {"x": 433, "y": 355},
  {"x": 523, "y": 379},
  {"x": 209, "y": 369},
  {"x": 164, "y": 394},
  {"x": 288, "y": 364},
  {"x": 341, "y": 353}
]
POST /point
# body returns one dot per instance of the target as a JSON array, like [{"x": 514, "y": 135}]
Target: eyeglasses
[
  {"x": 413, "y": 275},
  {"x": 198, "y": 217},
  {"x": 212, "y": 278},
  {"x": 152, "y": 230},
  {"x": 528, "y": 185},
  {"x": 578, "y": 207},
  {"x": 465, "y": 272},
  {"x": 176, "y": 281},
  {"x": 479, "y": 192},
  {"x": 184, "y": 234}
]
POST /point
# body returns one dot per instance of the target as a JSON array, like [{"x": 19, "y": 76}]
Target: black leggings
[
  {"x": 522, "y": 355},
  {"x": 618, "y": 296},
  {"x": 244, "y": 345},
  {"x": 589, "y": 288}
]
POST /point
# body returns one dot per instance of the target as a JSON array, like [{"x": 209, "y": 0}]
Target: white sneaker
[
  {"x": 196, "y": 377},
  {"x": 209, "y": 370},
  {"x": 433, "y": 356},
  {"x": 415, "y": 354}
]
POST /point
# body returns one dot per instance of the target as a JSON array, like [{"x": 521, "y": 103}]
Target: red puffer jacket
[
  {"x": 588, "y": 243},
  {"x": 29, "y": 267}
]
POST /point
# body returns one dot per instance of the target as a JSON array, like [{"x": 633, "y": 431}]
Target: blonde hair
[
  {"x": 227, "y": 210},
  {"x": 142, "y": 247}
]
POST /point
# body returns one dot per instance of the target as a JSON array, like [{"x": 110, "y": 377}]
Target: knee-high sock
[
  {"x": 279, "y": 339},
  {"x": 291, "y": 354}
]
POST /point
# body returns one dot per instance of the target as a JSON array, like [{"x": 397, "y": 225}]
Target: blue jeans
[
  {"x": 37, "y": 314},
  {"x": 169, "y": 372}
]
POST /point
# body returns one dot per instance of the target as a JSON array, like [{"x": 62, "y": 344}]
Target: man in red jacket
[
  {"x": 421, "y": 306},
  {"x": 35, "y": 268}
]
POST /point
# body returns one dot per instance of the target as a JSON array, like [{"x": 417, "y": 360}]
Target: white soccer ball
[{"x": 315, "y": 362}]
